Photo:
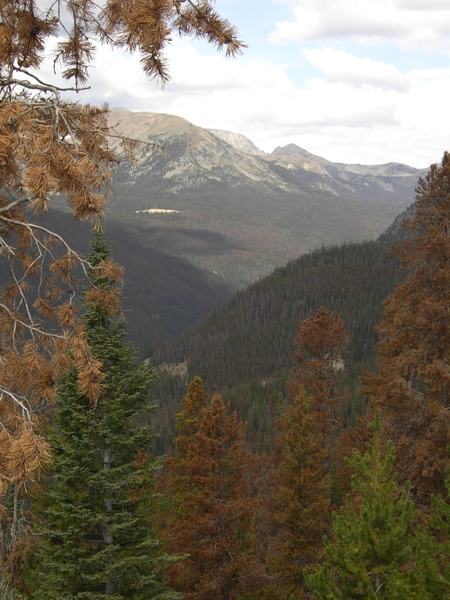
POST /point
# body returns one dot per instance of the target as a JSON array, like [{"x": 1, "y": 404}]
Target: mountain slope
[
  {"x": 270, "y": 208},
  {"x": 164, "y": 294},
  {"x": 244, "y": 348},
  {"x": 371, "y": 182},
  {"x": 250, "y": 338}
]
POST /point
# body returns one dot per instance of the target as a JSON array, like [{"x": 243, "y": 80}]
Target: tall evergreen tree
[
  {"x": 377, "y": 550},
  {"x": 300, "y": 502},
  {"x": 96, "y": 532},
  {"x": 318, "y": 357},
  {"x": 318, "y": 360},
  {"x": 412, "y": 387},
  {"x": 210, "y": 518},
  {"x": 176, "y": 484},
  {"x": 296, "y": 492}
]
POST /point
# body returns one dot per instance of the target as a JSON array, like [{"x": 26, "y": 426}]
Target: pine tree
[
  {"x": 297, "y": 493},
  {"x": 440, "y": 522},
  {"x": 300, "y": 501},
  {"x": 211, "y": 517},
  {"x": 96, "y": 533},
  {"x": 318, "y": 360},
  {"x": 178, "y": 485},
  {"x": 377, "y": 549},
  {"x": 412, "y": 387}
]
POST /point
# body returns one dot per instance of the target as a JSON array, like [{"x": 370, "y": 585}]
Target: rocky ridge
[{"x": 268, "y": 208}]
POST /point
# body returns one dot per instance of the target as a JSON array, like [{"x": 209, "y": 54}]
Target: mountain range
[
  {"x": 190, "y": 183},
  {"x": 204, "y": 213}
]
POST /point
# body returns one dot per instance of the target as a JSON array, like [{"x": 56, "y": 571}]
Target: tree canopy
[
  {"x": 377, "y": 549},
  {"x": 210, "y": 500}
]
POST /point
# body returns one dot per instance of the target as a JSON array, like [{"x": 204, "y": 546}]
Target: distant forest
[{"x": 244, "y": 349}]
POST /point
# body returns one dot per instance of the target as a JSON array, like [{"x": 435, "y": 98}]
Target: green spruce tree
[
  {"x": 440, "y": 522},
  {"x": 378, "y": 550},
  {"x": 96, "y": 533}
]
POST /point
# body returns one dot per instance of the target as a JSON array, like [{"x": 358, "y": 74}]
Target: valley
[{"x": 201, "y": 215}]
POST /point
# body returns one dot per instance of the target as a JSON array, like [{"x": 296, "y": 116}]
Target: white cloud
[
  {"x": 342, "y": 67},
  {"x": 410, "y": 23},
  {"x": 352, "y": 113},
  {"x": 423, "y": 4}
]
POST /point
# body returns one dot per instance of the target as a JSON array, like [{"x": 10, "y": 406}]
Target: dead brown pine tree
[
  {"x": 412, "y": 387},
  {"x": 211, "y": 502}
]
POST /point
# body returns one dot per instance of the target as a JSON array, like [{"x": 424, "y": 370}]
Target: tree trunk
[
  {"x": 2, "y": 550},
  {"x": 107, "y": 533}
]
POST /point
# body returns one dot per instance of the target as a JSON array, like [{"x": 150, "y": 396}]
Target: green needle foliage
[
  {"x": 378, "y": 551},
  {"x": 440, "y": 521},
  {"x": 96, "y": 508}
]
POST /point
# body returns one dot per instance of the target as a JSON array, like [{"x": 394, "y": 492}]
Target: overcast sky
[{"x": 355, "y": 81}]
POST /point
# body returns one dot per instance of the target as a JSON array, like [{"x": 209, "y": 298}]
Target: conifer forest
[{"x": 303, "y": 451}]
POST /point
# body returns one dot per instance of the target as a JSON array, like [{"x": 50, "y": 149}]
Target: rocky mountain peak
[
  {"x": 267, "y": 207},
  {"x": 238, "y": 141}
]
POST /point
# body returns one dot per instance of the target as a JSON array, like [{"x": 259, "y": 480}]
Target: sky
[{"x": 353, "y": 81}]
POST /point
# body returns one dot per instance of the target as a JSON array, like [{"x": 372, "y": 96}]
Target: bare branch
[
  {"x": 44, "y": 84},
  {"x": 13, "y": 204},
  {"x": 41, "y": 87}
]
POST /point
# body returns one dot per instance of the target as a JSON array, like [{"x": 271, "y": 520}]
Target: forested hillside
[
  {"x": 164, "y": 294},
  {"x": 251, "y": 336},
  {"x": 244, "y": 349}
]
